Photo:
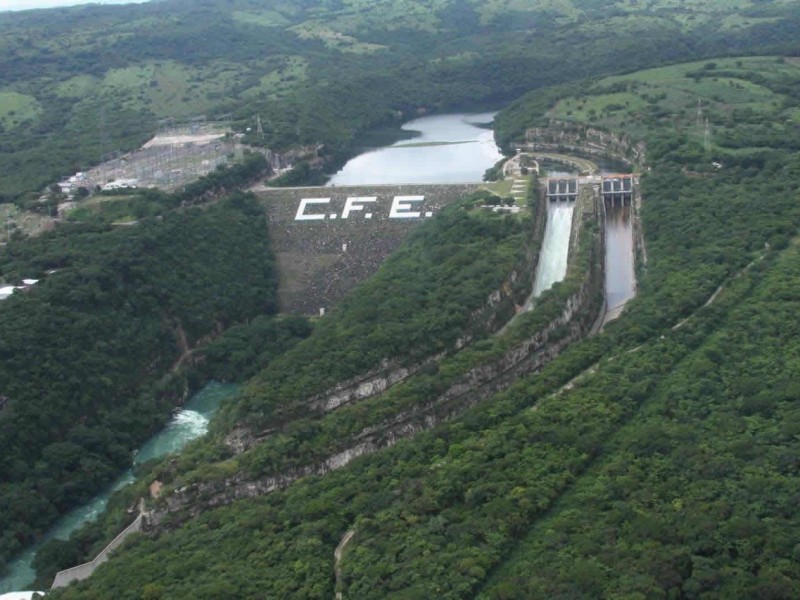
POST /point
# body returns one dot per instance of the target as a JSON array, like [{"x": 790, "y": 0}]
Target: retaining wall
[{"x": 67, "y": 576}]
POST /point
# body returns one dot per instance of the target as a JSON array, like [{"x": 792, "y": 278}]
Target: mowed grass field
[{"x": 720, "y": 88}]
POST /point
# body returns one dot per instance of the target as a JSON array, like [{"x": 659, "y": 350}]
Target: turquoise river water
[{"x": 190, "y": 422}]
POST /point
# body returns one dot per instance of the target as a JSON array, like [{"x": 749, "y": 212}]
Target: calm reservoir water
[
  {"x": 450, "y": 149},
  {"x": 189, "y": 422}
]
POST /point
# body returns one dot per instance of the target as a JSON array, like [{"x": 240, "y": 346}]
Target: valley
[{"x": 573, "y": 379}]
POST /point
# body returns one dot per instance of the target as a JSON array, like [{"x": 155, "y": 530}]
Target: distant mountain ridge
[{"x": 79, "y": 83}]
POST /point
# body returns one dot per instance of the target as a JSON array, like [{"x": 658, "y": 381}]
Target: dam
[{"x": 327, "y": 240}]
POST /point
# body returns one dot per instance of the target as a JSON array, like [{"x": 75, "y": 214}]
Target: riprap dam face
[{"x": 328, "y": 239}]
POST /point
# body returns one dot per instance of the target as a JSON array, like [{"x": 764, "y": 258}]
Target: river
[
  {"x": 188, "y": 423},
  {"x": 449, "y": 149}
]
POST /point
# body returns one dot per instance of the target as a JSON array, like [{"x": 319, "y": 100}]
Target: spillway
[
  {"x": 620, "y": 275},
  {"x": 552, "y": 265}
]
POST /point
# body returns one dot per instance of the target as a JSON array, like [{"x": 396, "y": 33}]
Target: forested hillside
[
  {"x": 657, "y": 458},
  {"x": 664, "y": 468},
  {"x": 78, "y": 84},
  {"x": 84, "y": 353}
]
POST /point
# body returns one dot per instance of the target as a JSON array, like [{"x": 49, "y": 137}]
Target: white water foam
[{"x": 552, "y": 266}]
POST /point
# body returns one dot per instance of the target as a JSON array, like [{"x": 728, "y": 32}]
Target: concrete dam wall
[{"x": 329, "y": 239}]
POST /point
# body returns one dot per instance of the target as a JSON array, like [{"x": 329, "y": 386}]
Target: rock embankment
[
  {"x": 499, "y": 307},
  {"x": 320, "y": 260}
]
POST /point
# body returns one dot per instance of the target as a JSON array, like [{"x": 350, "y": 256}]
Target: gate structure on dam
[
  {"x": 615, "y": 193},
  {"x": 617, "y": 190},
  {"x": 562, "y": 188}
]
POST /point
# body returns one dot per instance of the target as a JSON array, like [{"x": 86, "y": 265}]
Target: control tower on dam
[{"x": 328, "y": 239}]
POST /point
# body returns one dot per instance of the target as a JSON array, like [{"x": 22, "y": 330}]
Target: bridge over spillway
[{"x": 614, "y": 189}]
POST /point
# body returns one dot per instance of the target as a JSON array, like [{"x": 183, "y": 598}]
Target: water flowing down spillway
[
  {"x": 188, "y": 423},
  {"x": 620, "y": 275},
  {"x": 552, "y": 266}
]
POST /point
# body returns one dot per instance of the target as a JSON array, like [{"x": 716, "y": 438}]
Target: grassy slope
[{"x": 723, "y": 88}]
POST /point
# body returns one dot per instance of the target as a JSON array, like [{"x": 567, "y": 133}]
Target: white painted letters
[
  {"x": 301, "y": 211},
  {"x": 356, "y": 203},
  {"x": 401, "y": 207}
]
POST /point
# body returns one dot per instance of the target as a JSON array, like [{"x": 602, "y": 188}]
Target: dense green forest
[
  {"x": 664, "y": 469},
  {"x": 82, "y": 83},
  {"x": 655, "y": 459},
  {"x": 85, "y": 351}
]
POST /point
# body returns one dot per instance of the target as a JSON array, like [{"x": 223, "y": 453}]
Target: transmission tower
[
  {"x": 699, "y": 112},
  {"x": 706, "y": 136},
  {"x": 259, "y": 128}
]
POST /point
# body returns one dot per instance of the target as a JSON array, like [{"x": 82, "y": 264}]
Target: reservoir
[
  {"x": 449, "y": 149},
  {"x": 188, "y": 423}
]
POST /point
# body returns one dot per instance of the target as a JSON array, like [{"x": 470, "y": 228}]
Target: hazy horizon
[{"x": 12, "y": 5}]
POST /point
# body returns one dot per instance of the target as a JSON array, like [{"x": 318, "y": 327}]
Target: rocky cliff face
[{"x": 566, "y": 136}]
